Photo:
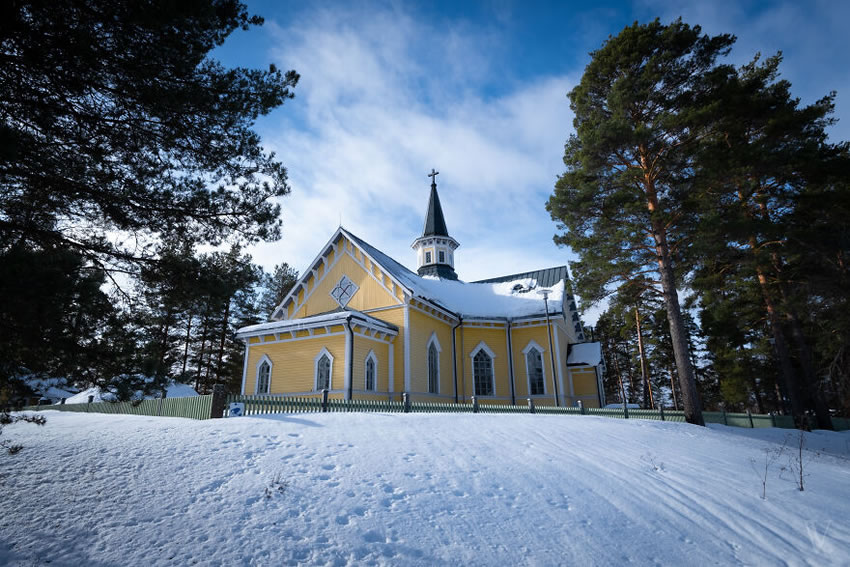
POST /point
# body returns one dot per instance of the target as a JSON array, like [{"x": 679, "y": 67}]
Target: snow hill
[{"x": 417, "y": 489}]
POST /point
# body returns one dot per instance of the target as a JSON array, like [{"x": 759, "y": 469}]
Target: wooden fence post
[
  {"x": 661, "y": 409},
  {"x": 324, "y": 400},
  {"x": 530, "y": 405},
  {"x": 625, "y": 410},
  {"x": 405, "y": 398},
  {"x": 474, "y": 404},
  {"x": 219, "y": 401},
  {"x": 772, "y": 419},
  {"x": 725, "y": 421},
  {"x": 580, "y": 407},
  {"x": 750, "y": 416}
]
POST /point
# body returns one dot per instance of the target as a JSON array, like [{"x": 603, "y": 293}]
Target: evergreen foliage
[
  {"x": 123, "y": 147},
  {"x": 688, "y": 173},
  {"x": 117, "y": 129},
  {"x": 640, "y": 111}
]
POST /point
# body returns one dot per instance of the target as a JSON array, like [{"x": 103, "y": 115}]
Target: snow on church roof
[
  {"x": 589, "y": 354},
  {"x": 514, "y": 298}
]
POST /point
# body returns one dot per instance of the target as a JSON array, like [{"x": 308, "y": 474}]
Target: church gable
[{"x": 342, "y": 276}]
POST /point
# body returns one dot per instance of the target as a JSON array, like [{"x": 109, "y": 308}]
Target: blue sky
[{"x": 478, "y": 91}]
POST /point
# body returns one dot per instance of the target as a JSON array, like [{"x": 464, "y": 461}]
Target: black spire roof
[{"x": 435, "y": 223}]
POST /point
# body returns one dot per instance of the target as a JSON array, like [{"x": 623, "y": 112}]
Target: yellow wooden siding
[
  {"x": 584, "y": 381},
  {"x": 495, "y": 339},
  {"x": 395, "y": 316},
  {"x": 521, "y": 337},
  {"x": 421, "y": 328},
  {"x": 362, "y": 347},
  {"x": 293, "y": 363},
  {"x": 371, "y": 294}
]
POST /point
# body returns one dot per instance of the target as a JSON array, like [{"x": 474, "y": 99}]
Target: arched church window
[
  {"x": 433, "y": 370},
  {"x": 370, "y": 372},
  {"x": 323, "y": 372},
  {"x": 534, "y": 367},
  {"x": 482, "y": 373},
  {"x": 264, "y": 376}
]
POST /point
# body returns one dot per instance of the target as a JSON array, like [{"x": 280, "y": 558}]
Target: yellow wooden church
[{"x": 363, "y": 326}]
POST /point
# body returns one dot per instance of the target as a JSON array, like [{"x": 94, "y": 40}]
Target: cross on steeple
[{"x": 433, "y": 175}]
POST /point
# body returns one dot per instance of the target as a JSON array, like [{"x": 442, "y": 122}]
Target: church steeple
[{"x": 435, "y": 248}]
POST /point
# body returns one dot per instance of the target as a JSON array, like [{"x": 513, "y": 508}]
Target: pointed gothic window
[
  {"x": 370, "y": 372},
  {"x": 482, "y": 373},
  {"x": 433, "y": 370},
  {"x": 534, "y": 367},
  {"x": 264, "y": 375},
  {"x": 323, "y": 372}
]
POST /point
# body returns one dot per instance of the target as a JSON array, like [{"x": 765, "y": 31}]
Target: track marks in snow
[{"x": 422, "y": 490}]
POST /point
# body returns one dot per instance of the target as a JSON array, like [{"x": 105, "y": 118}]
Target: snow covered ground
[{"x": 416, "y": 489}]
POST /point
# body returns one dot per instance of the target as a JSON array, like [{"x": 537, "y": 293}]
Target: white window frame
[
  {"x": 316, "y": 360},
  {"x": 371, "y": 356},
  {"x": 532, "y": 345},
  {"x": 483, "y": 346},
  {"x": 428, "y": 257},
  {"x": 433, "y": 340},
  {"x": 441, "y": 256},
  {"x": 264, "y": 360}
]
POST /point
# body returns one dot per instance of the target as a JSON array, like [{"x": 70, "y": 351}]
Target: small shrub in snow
[
  {"x": 770, "y": 457},
  {"x": 650, "y": 459},
  {"x": 8, "y": 419},
  {"x": 796, "y": 462}
]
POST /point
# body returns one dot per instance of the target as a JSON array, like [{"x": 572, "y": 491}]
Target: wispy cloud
[{"x": 385, "y": 97}]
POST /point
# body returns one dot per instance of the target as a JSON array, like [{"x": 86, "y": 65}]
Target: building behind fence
[{"x": 215, "y": 405}]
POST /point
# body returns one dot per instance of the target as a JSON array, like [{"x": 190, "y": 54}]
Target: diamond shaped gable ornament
[{"x": 344, "y": 291}]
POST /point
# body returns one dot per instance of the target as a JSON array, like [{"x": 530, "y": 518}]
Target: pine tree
[
  {"x": 277, "y": 285},
  {"x": 115, "y": 120},
  {"x": 640, "y": 110},
  {"x": 764, "y": 155}
]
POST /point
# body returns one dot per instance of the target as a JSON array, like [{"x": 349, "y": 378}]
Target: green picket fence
[
  {"x": 195, "y": 407},
  {"x": 258, "y": 405},
  {"x": 364, "y": 406},
  {"x": 200, "y": 407}
]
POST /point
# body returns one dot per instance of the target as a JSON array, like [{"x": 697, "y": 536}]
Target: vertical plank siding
[{"x": 196, "y": 407}]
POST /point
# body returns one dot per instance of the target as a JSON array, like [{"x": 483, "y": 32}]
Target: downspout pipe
[
  {"x": 454, "y": 352},
  {"x": 511, "y": 364},
  {"x": 350, "y": 358}
]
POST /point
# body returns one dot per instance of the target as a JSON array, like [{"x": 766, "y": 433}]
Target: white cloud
[{"x": 383, "y": 99}]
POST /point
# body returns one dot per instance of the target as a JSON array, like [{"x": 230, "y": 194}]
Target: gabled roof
[
  {"x": 435, "y": 223},
  {"x": 544, "y": 278},
  {"x": 507, "y": 298},
  {"x": 510, "y": 298}
]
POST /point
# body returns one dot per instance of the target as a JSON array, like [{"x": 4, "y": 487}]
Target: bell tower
[{"x": 435, "y": 248}]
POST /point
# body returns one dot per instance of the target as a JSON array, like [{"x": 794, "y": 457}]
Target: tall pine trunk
[
  {"x": 224, "y": 327},
  {"x": 678, "y": 331},
  {"x": 648, "y": 400},
  {"x": 186, "y": 346}
]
